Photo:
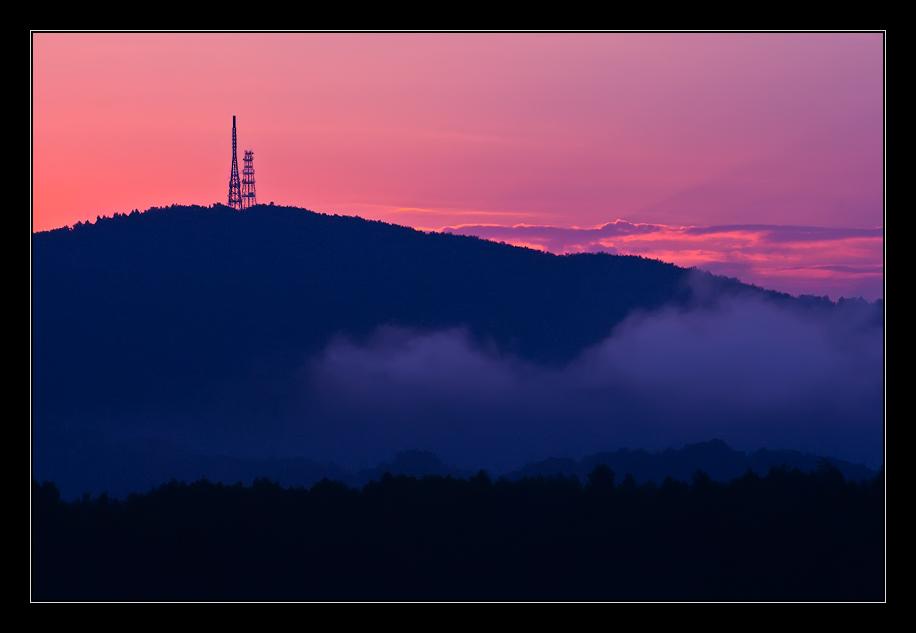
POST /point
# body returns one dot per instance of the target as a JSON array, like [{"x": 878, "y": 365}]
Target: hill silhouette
[
  {"x": 175, "y": 305},
  {"x": 122, "y": 467},
  {"x": 179, "y": 306},
  {"x": 715, "y": 458}
]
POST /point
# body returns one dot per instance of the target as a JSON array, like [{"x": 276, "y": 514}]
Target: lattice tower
[
  {"x": 235, "y": 190},
  {"x": 249, "y": 199}
]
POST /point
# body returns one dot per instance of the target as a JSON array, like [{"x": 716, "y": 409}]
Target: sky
[{"x": 755, "y": 155}]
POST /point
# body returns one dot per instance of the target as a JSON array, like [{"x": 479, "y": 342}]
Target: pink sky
[{"x": 455, "y": 130}]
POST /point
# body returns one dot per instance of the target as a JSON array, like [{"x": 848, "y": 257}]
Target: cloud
[
  {"x": 794, "y": 259},
  {"x": 752, "y": 373}
]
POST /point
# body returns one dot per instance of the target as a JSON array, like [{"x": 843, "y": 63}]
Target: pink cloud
[{"x": 794, "y": 259}]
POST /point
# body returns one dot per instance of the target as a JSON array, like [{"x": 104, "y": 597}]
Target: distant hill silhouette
[
  {"x": 122, "y": 467},
  {"x": 183, "y": 308},
  {"x": 715, "y": 458},
  {"x": 411, "y": 463}
]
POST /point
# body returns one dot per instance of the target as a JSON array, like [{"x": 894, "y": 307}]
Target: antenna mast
[{"x": 235, "y": 193}]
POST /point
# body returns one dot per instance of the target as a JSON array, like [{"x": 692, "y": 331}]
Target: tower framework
[
  {"x": 235, "y": 189},
  {"x": 249, "y": 198}
]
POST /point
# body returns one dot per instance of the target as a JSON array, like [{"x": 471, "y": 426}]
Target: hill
[{"x": 179, "y": 306}]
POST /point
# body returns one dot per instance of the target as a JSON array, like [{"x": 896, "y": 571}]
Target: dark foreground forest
[{"x": 786, "y": 536}]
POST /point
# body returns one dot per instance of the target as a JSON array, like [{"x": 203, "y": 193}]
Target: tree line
[{"x": 788, "y": 535}]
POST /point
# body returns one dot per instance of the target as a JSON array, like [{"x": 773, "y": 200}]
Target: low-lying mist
[
  {"x": 751, "y": 372},
  {"x": 744, "y": 370}
]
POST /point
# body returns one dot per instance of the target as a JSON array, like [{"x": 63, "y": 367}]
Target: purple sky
[{"x": 518, "y": 137}]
